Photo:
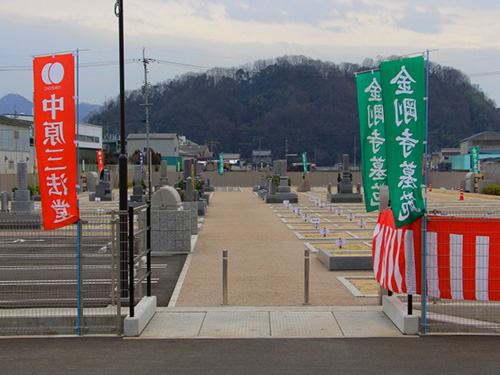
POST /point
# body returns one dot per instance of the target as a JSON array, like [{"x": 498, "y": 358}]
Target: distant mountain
[
  {"x": 292, "y": 104},
  {"x": 14, "y": 103}
]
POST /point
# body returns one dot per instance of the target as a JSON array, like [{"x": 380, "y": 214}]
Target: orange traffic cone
[
  {"x": 430, "y": 186},
  {"x": 461, "y": 193}
]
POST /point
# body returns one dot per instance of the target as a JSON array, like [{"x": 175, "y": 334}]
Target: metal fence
[
  {"x": 51, "y": 283},
  {"x": 463, "y": 277}
]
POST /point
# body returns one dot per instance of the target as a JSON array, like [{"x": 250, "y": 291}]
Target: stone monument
[
  {"x": 138, "y": 190},
  {"x": 103, "y": 190},
  {"x": 5, "y": 197},
  {"x": 22, "y": 197},
  {"x": 163, "y": 174},
  {"x": 283, "y": 191},
  {"x": 306, "y": 184},
  {"x": 92, "y": 181},
  {"x": 23, "y": 214},
  {"x": 345, "y": 188},
  {"x": 190, "y": 204}
]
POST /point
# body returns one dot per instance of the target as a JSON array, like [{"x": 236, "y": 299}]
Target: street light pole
[{"x": 123, "y": 158}]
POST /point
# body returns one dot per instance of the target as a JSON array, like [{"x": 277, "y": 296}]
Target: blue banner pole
[
  {"x": 78, "y": 230},
  {"x": 424, "y": 234}
]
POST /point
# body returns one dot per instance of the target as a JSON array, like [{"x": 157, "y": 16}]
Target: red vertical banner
[
  {"x": 100, "y": 161},
  {"x": 54, "y": 81}
]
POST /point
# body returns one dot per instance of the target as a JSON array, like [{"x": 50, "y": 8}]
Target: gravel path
[{"x": 266, "y": 260}]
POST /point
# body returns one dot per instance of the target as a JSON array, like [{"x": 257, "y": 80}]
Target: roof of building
[
  {"x": 152, "y": 136},
  {"x": 4, "y": 120},
  {"x": 494, "y": 133},
  {"x": 195, "y": 150},
  {"x": 261, "y": 153}
]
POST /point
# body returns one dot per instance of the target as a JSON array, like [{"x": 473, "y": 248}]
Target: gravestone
[
  {"x": 163, "y": 173},
  {"x": 283, "y": 191},
  {"x": 23, "y": 214},
  {"x": 22, "y": 201},
  {"x": 190, "y": 204},
  {"x": 4, "y": 196},
  {"x": 189, "y": 190},
  {"x": 103, "y": 190},
  {"x": 345, "y": 188},
  {"x": 92, "y": 181},
  {"x": 138, "y": 189}
]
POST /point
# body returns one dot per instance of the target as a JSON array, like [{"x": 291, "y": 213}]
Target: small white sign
[
  {"x": 312, "y": 199},
  {"x": 340, "y": 242}
]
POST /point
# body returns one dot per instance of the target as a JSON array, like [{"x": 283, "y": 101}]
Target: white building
[{"x": 15, "y": 144}]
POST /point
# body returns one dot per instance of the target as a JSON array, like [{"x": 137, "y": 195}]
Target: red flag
[
  {"x": 54, "y": 78},
  {"x": 100, "y": 162}
]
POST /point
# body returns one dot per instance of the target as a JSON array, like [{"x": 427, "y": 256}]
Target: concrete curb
[
  {"x": 144, "y": 312},
  {"x": 396, "y": 312}
]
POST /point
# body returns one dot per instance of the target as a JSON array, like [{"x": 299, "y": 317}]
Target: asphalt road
[{"x": 93, "y": 355}]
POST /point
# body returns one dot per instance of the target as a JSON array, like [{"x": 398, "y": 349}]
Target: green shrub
[{"x": 491, "y": 190}]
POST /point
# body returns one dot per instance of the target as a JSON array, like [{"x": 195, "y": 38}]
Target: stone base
[
  {"x": 306, "y": 186},
  {"x": 138, "y": 198},
  {"x": 280, "y": 197},
  {"x": 106, "y": 198},
  {"x": 20, "y": 220},
  {"x": 356, "y": 262},
  {"x": 170, "y": 231},
  {"x": 344, "y": 198},
  {"x": 22, "y": 206}
]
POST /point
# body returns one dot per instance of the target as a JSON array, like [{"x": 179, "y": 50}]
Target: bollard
[
  {"x": 224, "y": 277},
  {"x": 306, "y": 277}
]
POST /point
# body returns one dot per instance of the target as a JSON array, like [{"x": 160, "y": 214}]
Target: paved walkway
[{"x": 265, "y": 283}]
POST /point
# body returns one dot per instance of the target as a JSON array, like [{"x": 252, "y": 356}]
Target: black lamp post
[{"x": 123, "y": 158}]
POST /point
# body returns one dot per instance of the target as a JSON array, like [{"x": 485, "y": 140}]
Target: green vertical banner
[
  {"x": 372, "y": 132},
  {"x": 221, "y": 163},
  {"x": 403, "y": 87},
  {"x": 304, "y": 161},
  {"x": 474, "y": 159}
]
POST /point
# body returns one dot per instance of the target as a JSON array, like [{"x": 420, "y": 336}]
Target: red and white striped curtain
[{"x": 463, "y": 257}]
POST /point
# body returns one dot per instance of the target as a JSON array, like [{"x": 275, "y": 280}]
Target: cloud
[{"x": 426, "y": 21}]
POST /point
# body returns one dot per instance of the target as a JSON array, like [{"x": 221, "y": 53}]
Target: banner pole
[
  {"x": 424, "y": 227},
  {"x": 78, "y": 224}
]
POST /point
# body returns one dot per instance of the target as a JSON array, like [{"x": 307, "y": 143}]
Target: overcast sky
[{"x": 230, "y": 33}]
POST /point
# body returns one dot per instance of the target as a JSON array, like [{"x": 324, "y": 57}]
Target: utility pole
[{"x": 147, "y": 105}]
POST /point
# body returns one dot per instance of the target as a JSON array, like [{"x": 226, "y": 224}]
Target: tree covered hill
[{"x": 291, "y": 104}]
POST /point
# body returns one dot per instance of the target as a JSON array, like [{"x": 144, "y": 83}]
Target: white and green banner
[
  {"x": 304, "y": 161},
  {"x": 403, "y": 87},
  {"x": 372, "y": 132},
  {"x": 221, "y": 163},
  {"x": 474, "y": 159}
]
